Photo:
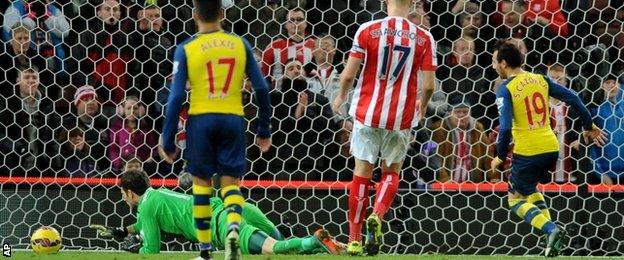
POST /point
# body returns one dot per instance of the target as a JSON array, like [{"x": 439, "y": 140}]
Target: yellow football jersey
[
  {"x": 215, "y": 64},
  {"x": 531, "y": 115}
]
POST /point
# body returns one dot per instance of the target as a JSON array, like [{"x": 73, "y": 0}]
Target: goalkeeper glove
[
  {"x": 132, "y": 244},
  {"x": 110, "y": 232}
]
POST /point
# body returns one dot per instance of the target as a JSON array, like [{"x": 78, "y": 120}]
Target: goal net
[{"x": 84, "y": 85}]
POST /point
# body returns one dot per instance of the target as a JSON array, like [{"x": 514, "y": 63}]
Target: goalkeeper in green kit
[{"x": 165, "y": 211}]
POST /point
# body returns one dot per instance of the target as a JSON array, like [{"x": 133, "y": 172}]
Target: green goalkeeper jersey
[
  {"x": 164, "y": 210},
  {"x": 167, "y": 211}
]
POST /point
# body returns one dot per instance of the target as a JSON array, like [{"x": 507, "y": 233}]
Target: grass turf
[{"x": 123, "y": 256}]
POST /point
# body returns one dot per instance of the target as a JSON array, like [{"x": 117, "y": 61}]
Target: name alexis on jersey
[
  {"x": 217, "y": 43},
  {"x": 393, "y": 32}
]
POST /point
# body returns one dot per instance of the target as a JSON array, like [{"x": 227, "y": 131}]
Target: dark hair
[
  {"x": 509, "y": 53},
  {"x": 207, "y": 10},
  {"x": 28, "y": 68},
  {"x": 126, "y": 159},
  {"x": 65, "y": 135},
  {"x": 557, "y": 67},
  {"x": 135, "y": 181},
  {"x": 296, "y": 9}
]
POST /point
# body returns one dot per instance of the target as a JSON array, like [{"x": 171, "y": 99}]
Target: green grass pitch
[{"x": 74, "y": 255}]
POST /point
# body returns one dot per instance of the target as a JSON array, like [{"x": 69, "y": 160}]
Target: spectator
[
  {"x": 508, "y": 19},
  {"x": 533, "y": 58},
  {"x": 101, "y": 55},
  {"x": 608, "y": 162},
  {"x": 607, "y": 26},
  {"x": 462, "y": 79},
  {"x": 129, "y": 135},
  {"x": 463, "y": 146},
  {"x": 87, "y": 117},
  {"x": 321, "y": 73},
  {"x": 546, "y": 13},
  {"x": 339, "y": 154},
  {"x": 450, "y": 19},
  {"x": 539, "y": 20},
  {"x": 177, "y": 13},
  {"x": 47, "y": 24},
  {"x": 132, "y": 164},
  {"x": 151, "y": 64},
  {"x": 17, "y": 53},
  {"x": 420, "y": 17},
  {"x": 295, "y": 46},
  {"x": 549, "y": 28},
  {"x": 302, "y": 124},
  {"x": 75, "y": 154},
  {"x": 26, "y": 135},
  {"x": 562, "y": 125}
]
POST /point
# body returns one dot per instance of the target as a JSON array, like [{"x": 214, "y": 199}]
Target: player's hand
[
  {"x": 110, "y": 232},
  {"x": 131, "y": 244},
  {"x": 421, "y": 111},
  {"x": 595, "y": 135},
  {"x": 168, "y": 157},
  {"x": 338, "y": 101},
  {"x": 263, "y": 143},
  {"x": 303, "y": 99},
  {"x": 496, "y": 164},
  {"x": 606, "y": 180},
  {"x": 541, "y": 20}
]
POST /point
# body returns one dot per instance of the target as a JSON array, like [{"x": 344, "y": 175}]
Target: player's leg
[
  {"x": 255, "y": 217},
  {"x": 358, "y": 203},
  {"x": 530, "y": 213},
  {"x": 555, "y": 241},
  {"x": 365, "y": 145},
  {"x": 233, "y": 203},
  {"x": 525, "y": 173},
  {"x": 387, "y": 188},
  {"x": 321, "y": 241},
  {"x": 231, "y": 168},
  {"x": 393, "y": 151},
  {"x": 202, "y": 212},
  {"x": 200, "y": 160},
  {"x": 538, "y": 200}
]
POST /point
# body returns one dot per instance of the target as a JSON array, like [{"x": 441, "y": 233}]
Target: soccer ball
[{"x": 46, "y": 240}]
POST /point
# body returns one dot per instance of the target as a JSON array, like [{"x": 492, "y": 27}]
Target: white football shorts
[{"x": 370, "y": 144}]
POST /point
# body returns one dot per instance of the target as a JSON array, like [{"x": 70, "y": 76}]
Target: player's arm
[
  {"x": 150, "y": 231},
  {"x": 347, "y": 78},
  {"x": 130, "y": 229},
  {"x": 261, "y": 92},
  {"x": 427, "y": 92},
  {"x": 428, "y": 68},
  {"x": 590, "y": 130},
  {"x": 505, "y": 111},
  {"x": 112, "y": 232},
  {"x": 177, "y": 94}
]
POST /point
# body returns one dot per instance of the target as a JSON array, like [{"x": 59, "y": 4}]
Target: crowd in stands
[{"x": 83, "y": 84}]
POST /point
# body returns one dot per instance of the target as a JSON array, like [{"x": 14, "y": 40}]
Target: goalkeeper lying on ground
[{"x": 163, "y": 210}]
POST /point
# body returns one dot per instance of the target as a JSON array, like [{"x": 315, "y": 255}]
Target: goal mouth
[{"x": 320, "y": 185}]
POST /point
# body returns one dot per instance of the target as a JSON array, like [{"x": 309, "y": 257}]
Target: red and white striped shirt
[
  {"x": 280, "y": 51},
  {"x": 563, "y": 167},
  {"x": 394, "y": 50}
]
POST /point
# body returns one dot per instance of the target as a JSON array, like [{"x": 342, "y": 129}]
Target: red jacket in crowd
[{"x": 549, "y": 9}]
